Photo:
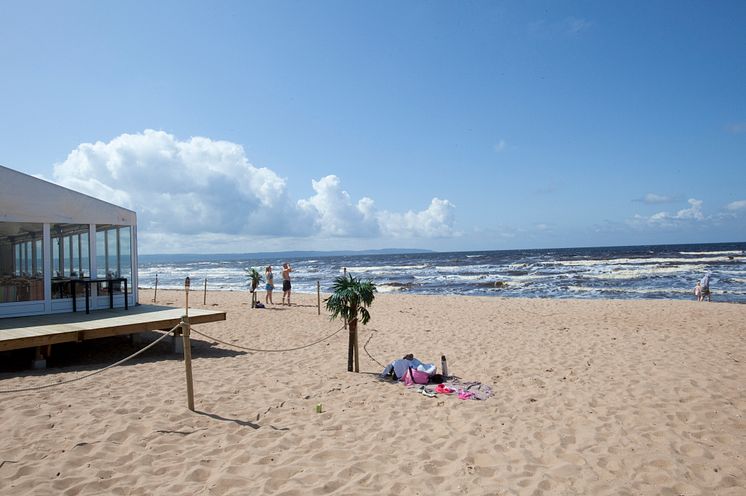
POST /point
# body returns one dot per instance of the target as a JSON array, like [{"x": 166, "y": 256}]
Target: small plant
[
  {"x": 255, "y": 278},
  {"x": 351, "y": 297}
]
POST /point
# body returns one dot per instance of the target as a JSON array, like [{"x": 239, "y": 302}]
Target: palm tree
[
  {"x": 254, "y": 279},
  {"x": 350, "y": 297}
]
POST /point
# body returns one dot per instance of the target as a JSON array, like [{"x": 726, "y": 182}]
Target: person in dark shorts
[{"x": 286, "y": 270}]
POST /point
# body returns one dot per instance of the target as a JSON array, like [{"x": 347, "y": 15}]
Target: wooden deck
[{"x": 45, "y": 330}]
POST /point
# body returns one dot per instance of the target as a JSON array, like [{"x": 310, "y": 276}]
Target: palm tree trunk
[
  {"x": 351, "y": 344},
  {"x": 355, "y": 347}
]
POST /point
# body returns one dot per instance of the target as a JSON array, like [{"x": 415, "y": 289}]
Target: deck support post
[{"x": 40, "y": 357}]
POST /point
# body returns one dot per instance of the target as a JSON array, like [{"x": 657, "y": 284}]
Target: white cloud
[
  {"x": 208, "y": 189},
  {"x": 693, "y": 212},
  {"x": 655, "y": 199},
  {"x": 198, "y": 185},
  {"x": 334, "y": 212},
  {"x": 435, "y": 221},
  {"x": 737, "y": 205},
  {"x": 500, "y": 145},
  {"x": 665, "y": 219}
]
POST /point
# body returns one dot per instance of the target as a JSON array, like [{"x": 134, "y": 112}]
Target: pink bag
[{"x": 414, "y": 376}]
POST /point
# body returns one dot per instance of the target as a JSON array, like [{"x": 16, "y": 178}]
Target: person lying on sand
[{"x": 399, "y": 367}]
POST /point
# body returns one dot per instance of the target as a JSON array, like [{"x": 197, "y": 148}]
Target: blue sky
[{"x": 253, "y": 126}]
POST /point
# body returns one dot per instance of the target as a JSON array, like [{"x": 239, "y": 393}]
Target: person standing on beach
[
  {"x": 269, "y": 286},
  {"x": 705, "y": 283},
  {"x": 698, "y": 291},
  {"x": 286, "y": 270}
]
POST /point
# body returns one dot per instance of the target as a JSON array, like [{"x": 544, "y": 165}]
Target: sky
[{"x": 253, "y": 126}]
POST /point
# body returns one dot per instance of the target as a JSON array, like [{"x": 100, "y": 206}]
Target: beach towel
[{"x": 469, "y": 390}]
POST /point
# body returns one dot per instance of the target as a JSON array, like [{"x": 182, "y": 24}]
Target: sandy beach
[{"x": 593, "y": 397}]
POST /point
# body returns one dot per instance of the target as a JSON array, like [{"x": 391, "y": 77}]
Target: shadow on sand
[{"x": 88, "y": 356}]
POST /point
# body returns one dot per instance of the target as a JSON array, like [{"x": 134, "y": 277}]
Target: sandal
[
  {"x": 465, "y": 395},
  {"x": 428, "y": 392},
  {"x": 443, "y": 389}
]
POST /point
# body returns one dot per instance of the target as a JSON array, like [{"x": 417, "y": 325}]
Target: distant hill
[{"x": 289, "y": 255}]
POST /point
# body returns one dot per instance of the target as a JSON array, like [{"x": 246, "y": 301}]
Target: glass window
[
  {"x": 100, "y": 252},
  {"x": 69, "y": 245},
  {"x": 125, "y": 255},
  {"x": 112, "y": 253},
  {"x": 38, "y": 258},
  {"x": 21, "y": 267},
  {"x": 114, "y": 256}
]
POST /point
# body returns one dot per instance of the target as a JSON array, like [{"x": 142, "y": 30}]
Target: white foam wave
[
  {"x": 386, "y": 268},
  {"x": 387, "y": 288},
  {"x": 644, "y": 291},
  {"x": 636, "y": 261},
  {"x": 460, "y": 268},
  {"x": 636, "y": 273},
  {"x": 724, "y": 252}
]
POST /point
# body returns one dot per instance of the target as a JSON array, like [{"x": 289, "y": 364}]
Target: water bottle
[{"x": 444, "y": 365}]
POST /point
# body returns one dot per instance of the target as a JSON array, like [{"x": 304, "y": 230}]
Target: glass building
[{"x": 54, "y": 242}]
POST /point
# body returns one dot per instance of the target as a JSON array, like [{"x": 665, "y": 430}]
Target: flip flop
[
  {"x": 465, "y": 395},
  {"x": 443, "y": 389}
]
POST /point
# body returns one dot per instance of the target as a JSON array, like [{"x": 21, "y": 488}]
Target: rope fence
[
  {"x": 257, "y": 350},
  {"x": 86, "y": 376},
  {"x": 139, "y": 352},
  {"x": 186, "y": 329}
]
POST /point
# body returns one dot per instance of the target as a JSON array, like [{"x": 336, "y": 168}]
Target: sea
[{"x": 623, "y": 272}]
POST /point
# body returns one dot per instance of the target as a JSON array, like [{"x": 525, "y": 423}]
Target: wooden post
[
  {"x": 187, "y": 283},
  {"x": 187, "y": 361},
  {"x": 318, "y": 296},
  {"x": 155, "y": 293},
  {"x": 204, "y": 296}
]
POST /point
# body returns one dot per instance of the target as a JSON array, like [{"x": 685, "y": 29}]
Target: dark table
[{"x": 87, "y": 283}]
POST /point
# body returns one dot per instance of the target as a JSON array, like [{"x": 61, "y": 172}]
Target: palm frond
[{"x": 349, "y": 297}]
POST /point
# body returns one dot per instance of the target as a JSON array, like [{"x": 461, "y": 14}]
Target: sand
[{"x": 591, "y": 397}]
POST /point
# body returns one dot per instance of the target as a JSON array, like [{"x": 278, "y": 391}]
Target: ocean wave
[
  {"x": 724, "y": 252},
  {"x": 637, "y": 273},
  {"x": 569, "y": 273},
  {"x": 638, "y": 261},
  {"x": 625, "y": 290},
  {"x": 484, "y": 268},
  {"x": 386, "y": 268}
]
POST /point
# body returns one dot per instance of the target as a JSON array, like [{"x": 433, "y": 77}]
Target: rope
[
  {"x": 365, "y": 349},
  {"x": 268, "y": 351},
  {"x": 44, "y": 386}
]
